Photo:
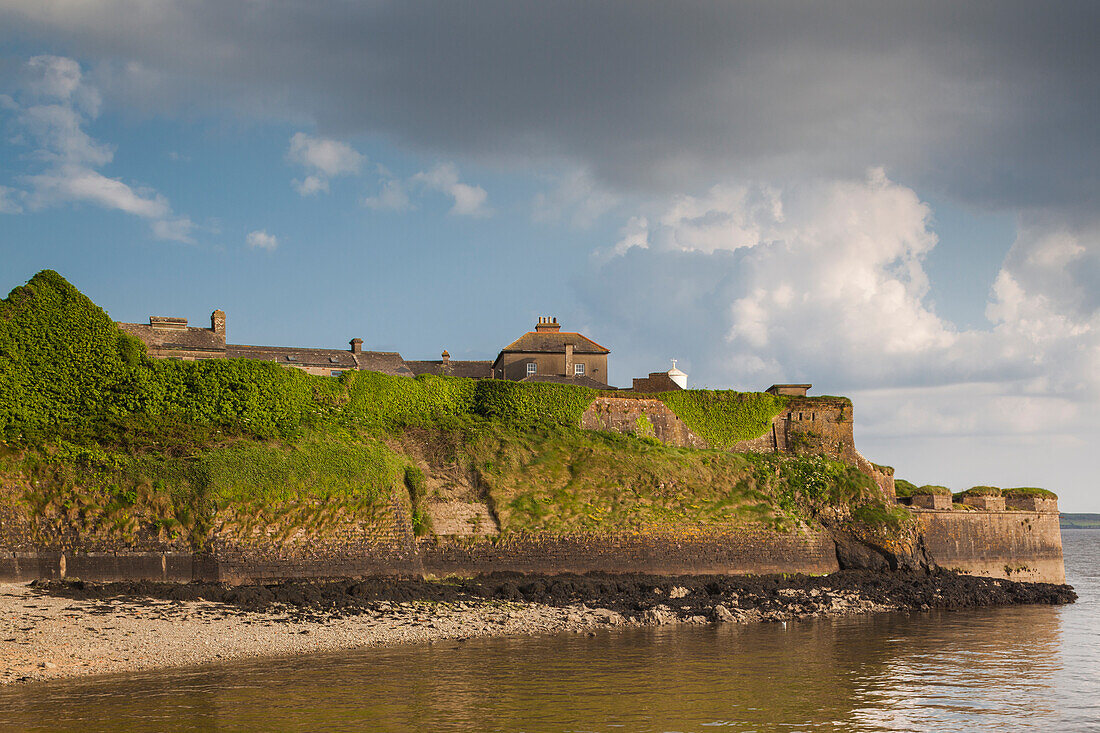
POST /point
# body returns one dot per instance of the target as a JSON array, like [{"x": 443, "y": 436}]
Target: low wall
[
  {"x": 175, "y": 567},
  {"x": 660, "y": 553},
  {"x": 1019, "y": 545}
]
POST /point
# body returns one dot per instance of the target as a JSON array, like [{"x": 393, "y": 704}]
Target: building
[
  {"x": 669, "y": 381},
  {"x": 791, "y": 390},
  {"x": 549, "y": 354},
  {"x": 172, "y": 338}
]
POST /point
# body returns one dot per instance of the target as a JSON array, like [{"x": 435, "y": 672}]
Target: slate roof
[
  {"x": 553, "y": 342},
  {"x": 455, "y": 368},
  {"x": 189, "y": 338},
  {"x": 386, "y": 362},
  {"x": 577, "y": 381}
]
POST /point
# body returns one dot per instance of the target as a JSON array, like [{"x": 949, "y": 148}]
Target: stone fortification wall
[
  {"x": 640, "y": 416},
  {"x": 1021, "y": 545},
  {"x": 819, "y": 425},
  {"x": 732, "y": 552}
]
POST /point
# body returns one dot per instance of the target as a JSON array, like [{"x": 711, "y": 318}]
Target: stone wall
[
  {"x": 640, "y": 416},
  {"x": 1019, "y": 545},
  {"x": 731, "y": 552}
]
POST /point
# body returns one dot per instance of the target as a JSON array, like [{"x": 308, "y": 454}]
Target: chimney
[
  {"x": 547, "y": 324},
  {"x": 356, "y": 346},
  {"x": 446, "y": 357},
  {"x": 569, "y": 360},
  {"x": 217, "y": 322}
]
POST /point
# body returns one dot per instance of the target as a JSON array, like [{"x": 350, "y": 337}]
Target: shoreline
[{"x": 64, "y": 629}]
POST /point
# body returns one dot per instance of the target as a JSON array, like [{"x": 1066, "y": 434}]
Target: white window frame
[
  {"x": 578, "y": 370},
  {"x": 532, "y": 368}
]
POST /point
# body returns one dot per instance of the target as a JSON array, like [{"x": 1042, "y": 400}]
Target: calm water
[{"x": 1034, "y": 668}]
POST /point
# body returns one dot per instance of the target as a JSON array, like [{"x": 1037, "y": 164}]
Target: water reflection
[{"x": 1015, "y": 668}]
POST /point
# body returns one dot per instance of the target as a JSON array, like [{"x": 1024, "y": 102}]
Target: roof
[
  {"x": 188, "y": 338},
  {"x": 290, "y": 355},
  {"x": 551, "y": 342},
  {"x": 386, "y": 362},
  {"x": 455, "y": 368},
  {"x": 559, "y": 379}
]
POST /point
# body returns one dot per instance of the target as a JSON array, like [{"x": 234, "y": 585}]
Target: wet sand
[{"x": 71, "y": 628}]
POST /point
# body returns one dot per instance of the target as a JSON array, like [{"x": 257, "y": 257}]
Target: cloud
[
  {"x": 468, "y": 200},
  {"x": 576, "y": 197},
  {"x": 8, "y": 202},
  {"x": 260, "y": 239},
  {"x": 995, "y": 106},
  {"x": 825, "y": 282},
  {"x": 57, "y": 104},
  {"x": 323, "y": 159},
  {"x": 391, "y": 197}
]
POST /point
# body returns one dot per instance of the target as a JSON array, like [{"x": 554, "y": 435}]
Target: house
[
  {"x": 172, "y": 338},
  {"x": 549, "y": 354}
]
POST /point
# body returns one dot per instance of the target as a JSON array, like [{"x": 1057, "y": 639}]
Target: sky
[{"x": 894, "y": 201}]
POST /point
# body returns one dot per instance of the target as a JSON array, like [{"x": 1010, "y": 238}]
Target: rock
[
  {"x": 607, "y": 616},
  {"x": 660, "y": 617},
  {"x": 723, "y": 615},
  {"x": 678, "y": 592}
]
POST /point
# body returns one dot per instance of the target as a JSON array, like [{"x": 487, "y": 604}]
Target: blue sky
[{"x": 893, "y": 203}]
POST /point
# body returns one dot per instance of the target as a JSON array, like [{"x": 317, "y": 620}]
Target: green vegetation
[
  {"x": 1080, "y": 521},
  {"x": 97, "y": 438},
  {"x": 1029, "y": 491},
  {"x": 906, "y": 489},
  {"x": 724, "y": 417},
  {"x": 977, "y": 491}
]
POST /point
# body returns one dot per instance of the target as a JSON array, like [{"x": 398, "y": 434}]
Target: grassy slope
[{"x": 123, "y": 444}]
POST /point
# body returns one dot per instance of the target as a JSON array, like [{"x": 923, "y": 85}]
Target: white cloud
[
  {"x": 468, "y": 200},
  {"x": 825, "y": 282},
  {"x": 58, "y": 106},
  {"x": 391, "y": 197},
  {"x": 323, "y": 159},
  {"x": 8, "y": 203},
  {"x": 260, "y": 239},
  {"x": 576, "y": 197}
]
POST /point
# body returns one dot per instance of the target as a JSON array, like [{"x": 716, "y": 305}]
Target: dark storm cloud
[{"x": 992, "y": 103}]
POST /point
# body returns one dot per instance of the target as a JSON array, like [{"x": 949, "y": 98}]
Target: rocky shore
[{"x": 70, "y": 628}]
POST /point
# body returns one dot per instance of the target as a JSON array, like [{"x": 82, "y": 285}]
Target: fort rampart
[{"x": 1021, "y": 545}]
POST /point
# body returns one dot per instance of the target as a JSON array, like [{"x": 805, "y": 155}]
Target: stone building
[
  {"x": 549, "y": 354},
  {"x": 172, "y": 338}
]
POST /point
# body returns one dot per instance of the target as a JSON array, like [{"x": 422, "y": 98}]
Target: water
[{"x": 1027, "y": 668}]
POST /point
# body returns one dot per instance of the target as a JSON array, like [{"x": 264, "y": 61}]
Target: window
[
  {"x": 336, "y": 372},
  {"x": 532, "y": 368},
  {"x": 292, "y": 358},
  {"x": 578, "y": 370}
]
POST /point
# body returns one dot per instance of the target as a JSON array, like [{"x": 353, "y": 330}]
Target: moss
[
  {"x": 979, "y": 491},
  {"x": 1029, "y": 491},
  {"x": 724, "y": 417},
  {"x": 905, "y": 489}
]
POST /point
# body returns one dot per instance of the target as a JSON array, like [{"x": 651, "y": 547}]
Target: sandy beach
[{"x": 66, "y": 629}]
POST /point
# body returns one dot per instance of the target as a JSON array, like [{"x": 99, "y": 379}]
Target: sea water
[{"x": 1020, "y": 668}]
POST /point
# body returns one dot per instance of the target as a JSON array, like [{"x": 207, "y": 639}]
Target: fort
[{"x": 208, "y": 462}]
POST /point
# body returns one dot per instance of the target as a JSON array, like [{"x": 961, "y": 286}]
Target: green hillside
[{"x": 98, "y": 439}]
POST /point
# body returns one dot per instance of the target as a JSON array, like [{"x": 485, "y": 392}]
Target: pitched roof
[
  {"x": 386, "y": 362},
  {"x": 551, "y": 342},
  {"x": 328, "y": 358},
  {"x": 455, "y": 368},
  {"x": 187, "y": 338}
]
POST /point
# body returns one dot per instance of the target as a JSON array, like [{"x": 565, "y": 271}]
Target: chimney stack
[
  {"x": 356, "y": 346},
  {"x": 547, "y": 324},
  {"x": 217, "y": 322},
  {"x": 446, "y": 357}
]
